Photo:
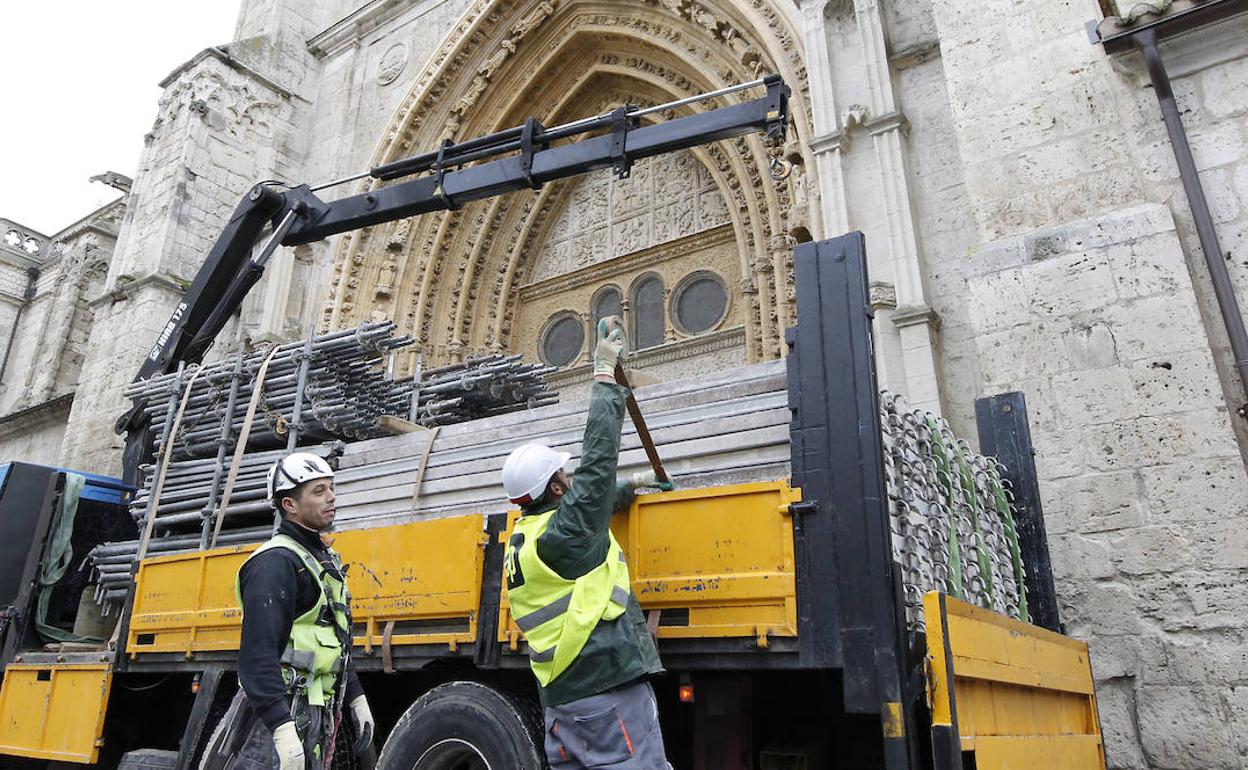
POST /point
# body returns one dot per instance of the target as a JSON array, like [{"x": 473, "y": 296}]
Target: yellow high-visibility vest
[
  {"x": 316, "y": 650},
  {"x": 558, "y": 615}
]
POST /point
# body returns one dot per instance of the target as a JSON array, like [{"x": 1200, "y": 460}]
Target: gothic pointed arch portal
[{"x": 488, "y": 277}]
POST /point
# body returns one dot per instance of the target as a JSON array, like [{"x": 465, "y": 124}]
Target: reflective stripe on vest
[
  {"x": 558, "y": 615},
  {"x": 322, "y": 634}
]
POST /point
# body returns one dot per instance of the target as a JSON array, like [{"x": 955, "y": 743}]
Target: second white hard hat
[{"x": 528, "y": 469}]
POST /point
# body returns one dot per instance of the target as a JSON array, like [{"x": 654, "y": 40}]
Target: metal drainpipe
[
  {"x": 32, "y": 275},
  {"x": 1146, "y": 41}
]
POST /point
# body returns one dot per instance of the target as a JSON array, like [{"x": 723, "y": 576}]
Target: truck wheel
[
  {"x": 148, "y": 759},
  {"x": 466, "y": 726}
]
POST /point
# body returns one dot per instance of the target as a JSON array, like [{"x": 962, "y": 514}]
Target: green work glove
[
  {"x": 648, "y": 480},
  {"x": 610, "y": 347},
  {"x": 289, "y": 747}
]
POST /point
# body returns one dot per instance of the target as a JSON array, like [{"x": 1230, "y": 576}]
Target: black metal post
[
  {"x": 197, "y": 727},
  {"x": 849, "y": 604},
  {"x": 1005, "y": 434}
]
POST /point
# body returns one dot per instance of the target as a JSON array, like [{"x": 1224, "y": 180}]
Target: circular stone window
[
  {"x": 699, "y": 303},
  {"x": 562, "y": 340}
]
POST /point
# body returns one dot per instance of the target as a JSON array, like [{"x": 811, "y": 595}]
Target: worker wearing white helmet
[
  {"x": 569, "y": 590},
  {"x": 294, "y": 665}
]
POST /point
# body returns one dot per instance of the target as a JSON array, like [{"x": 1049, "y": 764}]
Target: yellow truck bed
[{"x": 720, "y": 560}]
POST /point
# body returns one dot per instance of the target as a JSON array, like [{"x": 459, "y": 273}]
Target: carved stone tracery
[{"x": 456, "y": 284}]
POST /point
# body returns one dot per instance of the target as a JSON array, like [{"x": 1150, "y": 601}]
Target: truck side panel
[
  {"x": 716, "y": 562},
  {"x": 416, "y": 583},
  {"x": 54, "y": 712},
  {"x": 1021, "y": 696}
]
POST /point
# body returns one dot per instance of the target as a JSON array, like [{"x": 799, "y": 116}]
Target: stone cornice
[
  {"x": 347, "y": 31},
  {"x": 889, "y": 122},
  {"x": 94, "y": 221},
  {"x": 638, "y": 260},
  {"x": 124, "y": 289},
  {"x": 19, "y": 258},
  {"x": 912, "y": 315},
  {"x": 828, "y": 142},
  {"x": 235, "y": 64},
  {"x": 666, "y": 353},
  {"x": 920, "y": 52},
  {"x": 21, "y": 420}
]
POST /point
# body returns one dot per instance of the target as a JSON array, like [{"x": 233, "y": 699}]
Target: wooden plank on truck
[{"x": 1016, "y": 695}]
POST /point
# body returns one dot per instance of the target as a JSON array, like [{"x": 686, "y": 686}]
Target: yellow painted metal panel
[
  {"x": 1029, "y": 676},
  {"x": 723, "y": 554},
  {"x": 1020, "y": 696},
  {"x": 54, "y": 712},
  {"x": 185, "y": 603},
  {"x": 1014, "y": 652},
  {"x": 425, "y": 576},
  {"x": 1039, "y": 752},
  {"x": 939, "y": 678},
  {"x": 992, "y": 708}
]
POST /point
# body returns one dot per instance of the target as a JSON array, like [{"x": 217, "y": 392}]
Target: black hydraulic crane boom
[{"x": 524, "y": 157}]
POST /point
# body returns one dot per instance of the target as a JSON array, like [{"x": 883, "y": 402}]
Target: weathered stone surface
[
  {"x": 1080, "y": 556},
  {"x": 1098, "y": 608},
  {"x": 1097, "y": 502},
  {"x": 1223, "y": 88},
  {"x": 1116, "y": 700},
  {"x": 1185, "y": 728}
]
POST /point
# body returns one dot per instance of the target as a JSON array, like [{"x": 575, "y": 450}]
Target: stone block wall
[
  {"x": 35, "y": 436},
  {"x": 1209, "y": 72},
  {"x": 1064, "y": 264},
  {"x": 1142, "y": 484},
  {"x": 24, "y": 350},
  {"x": 1035, "y": 109}
]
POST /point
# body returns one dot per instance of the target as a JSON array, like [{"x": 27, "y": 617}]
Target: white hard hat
[
  {"x": 528, "y": 469},
  {"x": 294, "y": 469}
]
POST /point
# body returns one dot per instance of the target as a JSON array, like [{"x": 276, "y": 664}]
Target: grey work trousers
[{"x": 617, "y": 729}]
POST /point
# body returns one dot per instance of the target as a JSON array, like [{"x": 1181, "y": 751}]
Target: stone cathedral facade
[{"x": 1024, "y": 220}]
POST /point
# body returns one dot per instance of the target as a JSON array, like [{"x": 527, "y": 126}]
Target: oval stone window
[
  {"x": 562, "y": 341},
  {"x": 699, "y": 303}
]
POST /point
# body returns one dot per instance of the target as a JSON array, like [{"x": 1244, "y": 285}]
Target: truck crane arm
[{"x": 523, "y": 157}]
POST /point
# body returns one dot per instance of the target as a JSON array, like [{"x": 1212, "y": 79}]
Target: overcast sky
[{"x": 78, "y": 81}]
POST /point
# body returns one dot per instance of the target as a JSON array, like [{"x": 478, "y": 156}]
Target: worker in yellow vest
[
  {"x": 294, "y": 664},
  {"x": 568, "y": 585}
]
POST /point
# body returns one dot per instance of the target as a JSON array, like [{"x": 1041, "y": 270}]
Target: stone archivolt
[{"x": 457, "y": 280}]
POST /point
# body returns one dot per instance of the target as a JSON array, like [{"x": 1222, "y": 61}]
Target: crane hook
[{"x": 779, "y": 168}]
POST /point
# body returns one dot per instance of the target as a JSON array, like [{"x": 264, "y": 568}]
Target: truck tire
[
  {"x": 466, "y": 726},
  {"x": 148, "y": 759}
]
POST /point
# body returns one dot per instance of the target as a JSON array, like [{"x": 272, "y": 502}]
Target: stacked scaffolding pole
[
  {"x": 313, "y": 393},
  {"x": 952, "y": 524}
]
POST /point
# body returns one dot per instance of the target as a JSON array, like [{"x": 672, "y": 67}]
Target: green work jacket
[{"x": 577, "y": 540}]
